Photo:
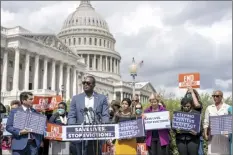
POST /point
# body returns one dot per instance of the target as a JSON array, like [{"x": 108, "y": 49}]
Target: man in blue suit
[
  {"x": 99, "y": 104},
  {"x": 23, "y": 142}
]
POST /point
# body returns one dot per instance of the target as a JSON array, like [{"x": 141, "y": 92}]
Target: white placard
[{"x": 157, "y": 120}]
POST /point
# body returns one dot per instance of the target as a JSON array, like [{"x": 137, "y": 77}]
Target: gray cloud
[
  {"x": 201, "y": 13},
  {"x": 194, "y": 54},
  {"x": 165, "y": 53}
]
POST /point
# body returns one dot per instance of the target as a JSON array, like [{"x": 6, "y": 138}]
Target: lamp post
[{"x": 133, "y": 72}]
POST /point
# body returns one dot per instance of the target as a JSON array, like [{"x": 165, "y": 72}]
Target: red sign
[
  {"x": 54, "y": 132},
  {"x": 46, "y": 103},
  {"x": 141, "y": 148},
  {"x": 189, "y": 80}
]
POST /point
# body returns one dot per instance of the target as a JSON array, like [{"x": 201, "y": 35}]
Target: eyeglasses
[
  {"x": 135, "y": 100},
  {"x": 86, "y": 82},
  {"x": 217, "y": 96}
]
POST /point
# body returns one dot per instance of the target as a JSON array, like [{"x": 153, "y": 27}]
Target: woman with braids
[
  {"x": 197, "y": 105},
  {"x": 125, "y": 146}
]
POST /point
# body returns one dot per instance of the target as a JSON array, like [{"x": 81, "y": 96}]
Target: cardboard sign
[
  {"x": 46, "y": 103},
  {"x": 189, "y": 80},
  {"x": 186, "y": 121},
  {"x": 54, "y": 132},
  {"x": 157, "y": 120}
]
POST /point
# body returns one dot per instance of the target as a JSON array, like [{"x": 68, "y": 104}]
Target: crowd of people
[{"x": 23, "y": 142}]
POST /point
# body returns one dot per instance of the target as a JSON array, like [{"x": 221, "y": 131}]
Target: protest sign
[
  {"x": 189, "y": 80},
  {"x": 186, "y": 121},
  {"x": 54, "y": 132},
  {"x": 96, "y": 132},
  {"x": 141, "y": 149},
  {"x": 46, "y": 103},
  {"x": 89, "y": 132},
  {"x": 5, "y": 133},
  {"x": 220, "y": 124},
  {"x": 31, "y": 121},
  {"x": 157, "y": 120},
  {"x": 131, "y": 129}
]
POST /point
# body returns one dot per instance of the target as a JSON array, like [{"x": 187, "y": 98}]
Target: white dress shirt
[
  {"x": 217, "y": 144},
  {"x": 89, "y": 102}
]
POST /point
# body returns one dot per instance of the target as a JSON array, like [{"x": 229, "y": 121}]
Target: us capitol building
[{"x": 48, "y": 64}]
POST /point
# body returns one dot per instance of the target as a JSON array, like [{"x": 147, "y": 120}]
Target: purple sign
[
  {"x": 221, "y": 124},
  {"x": 186, "y": 121},
  {"x": 131, "y": 129}
]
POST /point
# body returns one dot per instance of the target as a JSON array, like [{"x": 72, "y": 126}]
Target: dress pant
[
  {"x": 90, "y": 147},
  {"x": 188, "y": 147},
  {"x": 157, "y": 149},
  {"x": 30, "y": 149}
]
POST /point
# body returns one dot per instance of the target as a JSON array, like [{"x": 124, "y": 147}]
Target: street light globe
[{"x": 133, "y": 69}]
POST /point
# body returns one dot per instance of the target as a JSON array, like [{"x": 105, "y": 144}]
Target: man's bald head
[
  {"x": 217, "y": 96},
  {"x": 218, "y": 92}
]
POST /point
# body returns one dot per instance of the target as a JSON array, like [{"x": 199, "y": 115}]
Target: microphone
[
  {"x": 93, "y": 115},
  {"x": 85, "y": 110}
]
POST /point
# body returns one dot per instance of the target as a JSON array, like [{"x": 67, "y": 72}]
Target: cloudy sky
[{"x": 170, "y": 37}]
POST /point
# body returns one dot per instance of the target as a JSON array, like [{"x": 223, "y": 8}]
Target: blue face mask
[
  {"x": 138, "y": 111},
  {"x": 61, "y": 111},
  {"x": 189, "y": 95}
]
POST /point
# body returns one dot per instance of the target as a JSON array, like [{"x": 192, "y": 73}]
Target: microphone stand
[{"x": 84, "y": 123}]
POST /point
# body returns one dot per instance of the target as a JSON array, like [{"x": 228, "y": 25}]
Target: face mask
[
  {"x": 189, "y": 95},
  {"x": 186, "y": 109},
  {"x": 138, "y": 111},
  {"x": 61, "y": 111}
]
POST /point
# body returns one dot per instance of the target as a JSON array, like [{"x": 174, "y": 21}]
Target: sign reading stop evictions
[{"x": 189, "y": 80}]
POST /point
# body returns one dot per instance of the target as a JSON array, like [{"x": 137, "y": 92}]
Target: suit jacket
[
  {"x": 77, "y": 105},
  {"x": 19, "y": 142}
]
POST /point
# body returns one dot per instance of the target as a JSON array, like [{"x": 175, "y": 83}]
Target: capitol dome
[{"x": 87, "y": 34}]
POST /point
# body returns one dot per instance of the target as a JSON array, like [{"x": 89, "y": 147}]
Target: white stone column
[
  {"x": 4, "y": 71},
  {"x": 16, "y": 70},
  {"x": 36, "y": 74},
  {"x": 122, "y": 96},
  {"x": 67, "y": 82},
  {"x": 74, "y": 81},
  {"x": 106, "y": 64},
  {"x": 111, "y": 64},
  {"x": 114, "y": 95},
  {"x": 26, "y": 74},
  {"x": 53, "y": 79},
  {"x": 94, "y": 63},
  {"x": 60, "y": 75},
  {"x": 119, "y": 67},
  {"x": 114, "y": 65},
  {"x": 88, "y": 61},
  {"x": 45, "y": 75},
  {"x": 101, "y": 63}
]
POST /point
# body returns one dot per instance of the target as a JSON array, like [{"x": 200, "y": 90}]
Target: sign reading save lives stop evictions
[{"x": 189, "y": 80}]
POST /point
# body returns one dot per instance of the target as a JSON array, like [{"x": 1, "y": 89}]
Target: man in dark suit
[
  {"x": 99, "y": 104},
  {"x": 23, "y": 142}
]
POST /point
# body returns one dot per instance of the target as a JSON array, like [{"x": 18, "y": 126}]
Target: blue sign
[
  {"x": 131, "y": 129},
  {"x": 221, "y": 124},
  {"x": 90, "y": 132},
  {"x": 186, "y": 121}
]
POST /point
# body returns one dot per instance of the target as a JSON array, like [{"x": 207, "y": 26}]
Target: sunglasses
[
  {"x": 217, "y": 96},
  {"x": 135, "y": 100},
  {"x": 86, "y": 82}
]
